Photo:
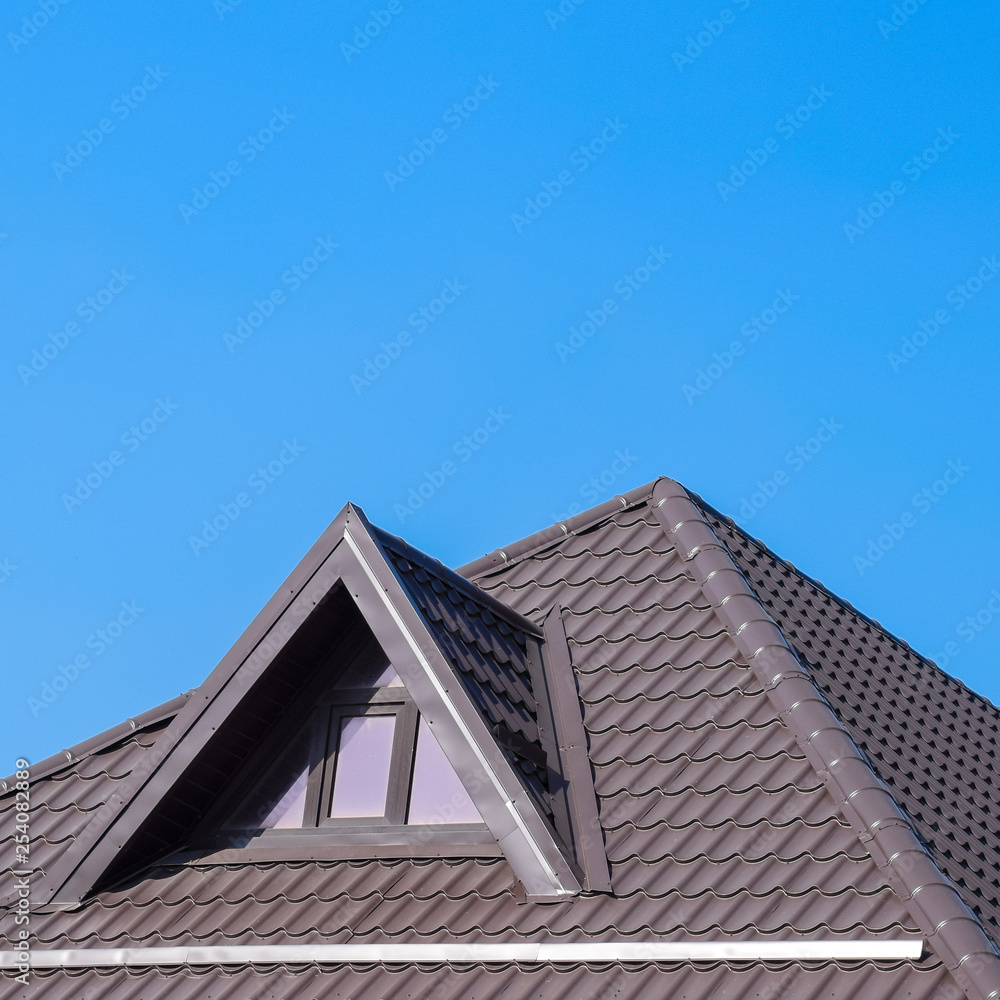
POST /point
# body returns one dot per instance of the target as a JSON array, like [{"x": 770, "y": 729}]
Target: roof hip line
[{"x": 952, "y": 929}]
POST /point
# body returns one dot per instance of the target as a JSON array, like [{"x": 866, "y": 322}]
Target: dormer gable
[{"x": 380, "y": 703}]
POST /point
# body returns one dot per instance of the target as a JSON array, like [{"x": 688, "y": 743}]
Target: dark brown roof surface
[
  {"x": 934, "y": 742},
  {"x": 715, "y": 821},
  {"x": 718, "y": 982},
  {"x": 76, "y": 783},
  {"x": 483, "y": 640}
]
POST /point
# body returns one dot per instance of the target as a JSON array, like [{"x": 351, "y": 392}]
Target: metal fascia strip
[
  {"x": 527, "y": 952},
  {"x": 543, "y": 862}
]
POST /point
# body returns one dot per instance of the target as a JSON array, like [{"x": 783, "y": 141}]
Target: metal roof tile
[
  {"x": 930, "y": 739},
  {"x": 714, "y": 820}
]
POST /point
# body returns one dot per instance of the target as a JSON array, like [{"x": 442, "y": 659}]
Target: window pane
[
  {"x": 288, "y": 810},
  {"x": 364, "y": 751},
  {"x": 437, "y": 794},
  {"x": 279, "y": 798}
]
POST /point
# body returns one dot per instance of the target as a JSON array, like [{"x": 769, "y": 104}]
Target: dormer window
[
  {"x": 305, "y": 743},
  {"x": 363, "y": 762}
]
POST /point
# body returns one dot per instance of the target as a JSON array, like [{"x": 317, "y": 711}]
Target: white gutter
[{"x": 526, "y": 952}]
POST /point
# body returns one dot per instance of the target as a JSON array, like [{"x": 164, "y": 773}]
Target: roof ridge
[
  {"x": 819, "y": 585},
  {"x": 75, "y": 753},
  {"x": 955, "y": 932},
  {"x": 556, "y": 532}
]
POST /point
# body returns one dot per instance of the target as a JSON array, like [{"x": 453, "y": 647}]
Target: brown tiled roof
[
  {"x": 935, "y": 743},
  {"x": 889, "y": 981},
  {"x": 484, "y": 642},
  {"x": 716, "y": 819}
]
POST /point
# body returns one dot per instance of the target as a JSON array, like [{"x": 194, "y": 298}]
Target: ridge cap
[
  {"x": 848, "y": 606},
  {"x": 953, "y": 930},
  {"x": 101, "y": 741},
  {"x": 519, "y": 549}
]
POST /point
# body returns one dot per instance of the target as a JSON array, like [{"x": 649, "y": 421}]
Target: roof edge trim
[
  {"x": 555, "y": 532},
  {"x": 76, "y": 753},
  {"x": 528, "y": 830},
  {"x": 953, "y": 931},
  {"x": 461, "y": 583},
  {"x": 530, "y": 952}
]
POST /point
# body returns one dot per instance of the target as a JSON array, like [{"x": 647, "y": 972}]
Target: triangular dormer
[
  {"x": 355, "y": 760},
  {"x": 379, "y": 705}
]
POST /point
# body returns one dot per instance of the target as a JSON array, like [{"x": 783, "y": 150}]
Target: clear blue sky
[{"x": 234, "y": 236}]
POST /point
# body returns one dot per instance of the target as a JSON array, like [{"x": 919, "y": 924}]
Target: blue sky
[{"x": 258, "y": 261}]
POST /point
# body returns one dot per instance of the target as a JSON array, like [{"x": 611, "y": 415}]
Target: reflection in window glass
[
  {"x": 289, "y": 809},
  {"x": 278, "y": 800},
  {"x": 364, "y": 751},
  {"x": 437, "y": 794}
]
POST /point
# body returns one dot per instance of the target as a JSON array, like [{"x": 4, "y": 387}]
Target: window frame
[
  {"x": 349, "y": 836},
  {"x": 364, "y": 703}
]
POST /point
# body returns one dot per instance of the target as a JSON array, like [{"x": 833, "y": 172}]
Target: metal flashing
[
  {"x": 522, "y": 952},
  {"x": 587, "y": 838}
]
